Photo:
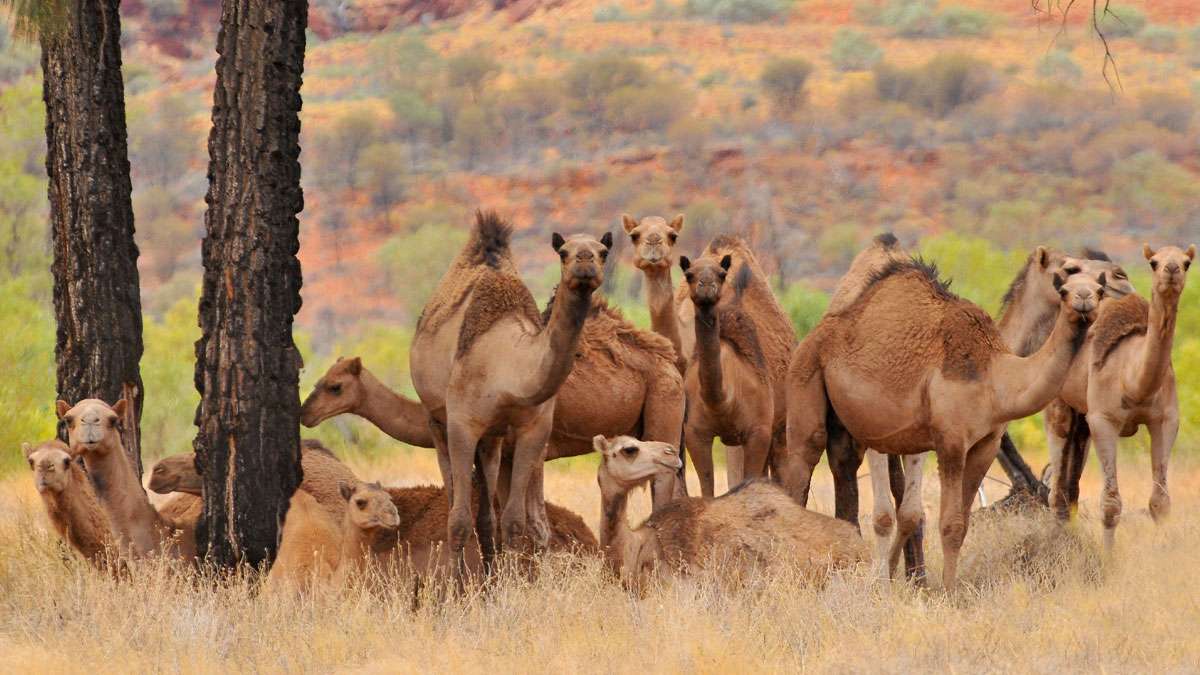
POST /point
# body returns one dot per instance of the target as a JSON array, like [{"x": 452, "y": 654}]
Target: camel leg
[
  {"x": 910, "y": 524},
  {"x": 662, "y": 420},
  {"x": 883, "y": 517},
  {"x": 438, "y": 431},
  {"x": 755, "y": 451},
  {"x": 1076, "y": 451},
  {"x": 700, "y": 446},
  {"x": 845, "y": 459},
  {"x": 978, "y": 460},
  {"x": 535, "y": 507},
  {"x": 1162, "y": 439},
  {"x": 530, "y": 452},
  {"x": 806, "y": 433},
  {"x": 463, "y": 442},
  {"x": 1106, "y": 435},
  {"x": 1057, "y": 427},
  {"x": 735, "y": 465},
  {"x": 487, "y": 463},
  {"x": 953, "y": 529}
]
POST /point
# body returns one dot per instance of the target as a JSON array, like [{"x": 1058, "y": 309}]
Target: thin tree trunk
[
  {"x": 247, "y": 366},
  {"x": 96, "y": 300}
]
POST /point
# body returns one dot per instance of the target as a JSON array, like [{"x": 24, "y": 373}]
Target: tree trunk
[
  {"x": 247, "y": 366},
  {"x": 96, "y": 301}
]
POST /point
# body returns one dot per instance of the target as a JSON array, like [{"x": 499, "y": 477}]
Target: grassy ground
[{"x": 1036, "y": 597}]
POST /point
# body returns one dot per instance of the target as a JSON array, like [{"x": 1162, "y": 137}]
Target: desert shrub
[
  {"x": 688, "y": 137},
  {"x": 647, "y": 108},
  {"x": 162, "y": 10},
  {"x": 413, "y": 263},
  {"x": 27, "y": 387},
  {"x": 783, "y": 81},
  {"x": 805, "y": 306},
  {"x": 1159, "y": 39},
  {"x": 1167, "y": 110},
  {"x": 381, "y": 170},
  {"x": 610, "y": 14},
  {"x": 1058, "y": 65},
  {"x": 702, "y": 220},
  {"x": 937, "y": 87},
  {"x": 590, "y": 82},
  {"x": 853, "y": 50},
  {"x": 737, "y": 11},
  {"x": 911, "y": 18},
  {"x": 956, "y": 21},
  {"x": 838, "y": 244},
  {"x": 471, "y": 71},
  {"x": 1193, "y": 49},
  {"x": 1120, "y": 21},
  {"x": 1155, "y": 194},
  {"x": 475, "y": 133},
  {"x": 1096, "y": 157}
]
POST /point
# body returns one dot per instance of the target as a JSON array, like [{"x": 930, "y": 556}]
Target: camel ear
[
  {"x": 676, "y": 223},
  {"x": 1147, "y": 252},
  {"x": 26, "y": 449},
  {"x": 1059, "y": 280},
  {"x": 345, "y": 489},
  {"x": 1191, "y": 252},
  {"x": 557, "y": 241},
  {"x": 61, "y": 407},
  {"x": 355, "y": 366},
  {"x": 119, "y": 408},
  {"x": 606, "y": 240},
  {"x": 628, "y": 223},
  {"x": 684, "y": 263},
  {"x": 1041, "y": 256},
  {"x": 727, "y": 262},
  {"x": 599, "y": 443}
]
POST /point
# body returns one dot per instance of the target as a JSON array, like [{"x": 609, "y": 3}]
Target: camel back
[
  {"x": 1119, "y": 318},
  {"x": 884, "y": 249},
  {"x": 609, "y": 334}
]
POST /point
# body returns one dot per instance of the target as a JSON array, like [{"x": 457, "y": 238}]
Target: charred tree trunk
[
  {"x": 96, "y": 300},
  {"x": 247, "y": 366}
]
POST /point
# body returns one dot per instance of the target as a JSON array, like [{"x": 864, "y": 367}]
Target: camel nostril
[{"x": 1173, "y": 268}]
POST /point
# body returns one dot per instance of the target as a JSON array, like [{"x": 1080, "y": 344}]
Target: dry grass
[{"x": 1037, "y": 597}]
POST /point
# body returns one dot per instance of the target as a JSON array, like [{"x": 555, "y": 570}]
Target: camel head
[
  {"x": 369, "y": 507},
  {"x": 582, "y": 259},
  {"x": 1046, "y": 264},
  {"x": 653, "y": 238},
  {"x": 1080, "y": 294},
  {"x": 1170, "y": 266},
  {"x": 176, "y": 473},
  {"x": 51, "y": 465},
  {"x": 339, "y": 390},
  {"x": 629, "y": 462},
  {"x": 1117, "y": 283},
  {"x": 92, "y": 425},
  {"x": 705, "y": 278}
]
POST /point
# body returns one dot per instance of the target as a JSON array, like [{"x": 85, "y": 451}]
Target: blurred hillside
[{"x": 972, "y": 128}]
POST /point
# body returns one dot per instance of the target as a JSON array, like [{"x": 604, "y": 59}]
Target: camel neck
[
  {"x": 708, "y": 356},
  {"x": 1155, "y": 357},
  {"x": 358, "y": 545},
  {"x": 1023, "y": 328},
  {"x": 660, "y": 297},
  {"x": 401, "y": 418},
  {"x": 558, "y": 342},
  {"x": 614, "y": 528},
  {"x": 1025, "y": 385}
]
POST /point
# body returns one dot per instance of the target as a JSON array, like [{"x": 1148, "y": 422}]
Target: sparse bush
[
  {"x": 381, "y": 168},
  {"x": 956, "y": 21},
  {"x": 1167, "y": 110},
  {"x": 1159, "y": 39},
  {"x": 737, "y": 11},
  {"x": 805, "y": 306},
  {"x": 648, "y": 108},
  {"x": 471, "y": 71},
  {"x": 610, "y": 14},
  {"x": 164, "y": 10},
  {"x": 688, "y": 137},
  {"x": 941, "y": 85},
  {"x": 911, "y": 18},
  {"x": 853, "y": 50},
  {"x": 1193, "y": 52},
  {"x": 1059, "y": 66},
  {"x": 1119, "y": 22},
  {"x": 783, "y": 82},
  {"x": 590, "y": 82}
]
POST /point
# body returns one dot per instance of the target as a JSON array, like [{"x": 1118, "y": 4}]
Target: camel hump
[
  {"x": 489, "y": 243},
  {"x": 568, "y": 532},
  {"x": 1120, "y": 318},
  {"x": 886, "y": 240},
  {"x": 494, "y": 296}
]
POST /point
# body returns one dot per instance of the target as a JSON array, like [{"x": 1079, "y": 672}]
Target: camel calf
[{"x": 70, "y": 501}]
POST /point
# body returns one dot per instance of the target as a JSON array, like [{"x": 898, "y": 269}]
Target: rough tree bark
[
  {"x": 247, "y": 366},
  {"x": 96, "y": 300}
]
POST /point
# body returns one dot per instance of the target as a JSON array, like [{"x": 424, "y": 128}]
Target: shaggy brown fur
[
  {"x": 71, "y": 502},
  {"x": 309, "y": 545},
  {"x": 1119, "y": 319},
  {"x": 609, "y": 333},
  {"x": 182, "y": 513},
  {"x": 495, "y": 296},
  {"x": 738, "y": 331}
]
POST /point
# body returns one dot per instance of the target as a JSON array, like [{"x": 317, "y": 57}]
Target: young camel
[
  {"x": 92, "y": 429},
  {"x": 485, "y": 365},
  {"x": 756, "y": 523},
  {"x": 910, "y": 367},
  {"x": 70, "y": 501},
  {"x": 369, "y": 531},
  {"x": 727, "y": 381},
  {"x": 1127, "y": 380}
]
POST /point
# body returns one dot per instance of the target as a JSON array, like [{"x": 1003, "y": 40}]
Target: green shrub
[
  {"x": 1058, "y": 65},
  {"x": 911, "y": 18},
  {"x": 1159, "y": 39},
  {"x": 805, "y": 306},
  {"x": 939, "y": 86},
  {"x": 783, "y": 82},
  {"x": 853, "y": 50},
  {"x": 589, "y": 83},
  {"x": 28, "y": 385},
  {"x": 646, "y": 108},
  {"x": 1119, "y": 22},
  {"x": 955, "y": 21},
  {"x": 610, "y": 14},
  {"x": 737, "y": 11}
]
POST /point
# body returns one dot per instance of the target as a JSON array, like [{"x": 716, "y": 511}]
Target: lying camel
[
  {"x": 92, "y": 430},
  {"x": 754, "y": 524},
  {"x": 71, "y": 501},
  {"x": 910, "y": 367},
  {"x": 1127, "y": 380},
  {"x": 310, "y": 545},
  {"x": 369, "y": 529}
]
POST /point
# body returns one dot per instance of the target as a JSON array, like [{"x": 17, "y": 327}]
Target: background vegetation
[{"x": 965, "y": 127}]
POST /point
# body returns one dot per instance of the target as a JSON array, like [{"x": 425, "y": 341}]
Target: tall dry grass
[{"x": 1036, "y": 597}]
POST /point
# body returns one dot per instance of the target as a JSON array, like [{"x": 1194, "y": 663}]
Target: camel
[
  {"x": 485, "y": 365},
  {"x": 369, "y": 530},
  {"x": 348, "y": 387},
  {"x": 1127, "y": 381},
  {"x": 310, "y": 545},
  {"x": 909, "y": 367},
  {"x": 753, "y": 524},
  {"x": 653, "y": 238},
  {"x": 70, "y": 501},
  {"x": 92, "y": 430}
]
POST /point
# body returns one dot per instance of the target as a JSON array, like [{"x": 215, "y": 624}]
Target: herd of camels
[{"x": 898, "y": 364}]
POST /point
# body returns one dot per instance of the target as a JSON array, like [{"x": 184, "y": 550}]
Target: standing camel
[
  {"x": 485, "y": 365},
  {"x": 910, "y": 367},
  {"x": 1126, "y": 381}
]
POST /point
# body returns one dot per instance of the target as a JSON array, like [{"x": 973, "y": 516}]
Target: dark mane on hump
[
  {"x": 886, "y": 240},
  {"x": 926, "y": 270},
  {"x": 1095, "y": 254},
  {"x": 741, "y": 282},
  {"x": 723, "y": 241},
  {"x": 489, "y": 240},
  {"x": 1018, "y": 283}
]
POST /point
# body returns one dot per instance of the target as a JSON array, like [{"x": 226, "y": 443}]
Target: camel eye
[
  {"x": 629, "y": 451},
  {"x": 360, "y": 503},
  {"x": 604, "y": 254},
  {"x": 69, "y": 420},
  {"x": 1154, "y": 265},
  {"x": 1186, "y": 265},
  {"x": 31, "y": 463},
  {"x": 1071, "y": 270},
  {"x": 634, "y": 236},
  {"x": 562, "y": 255},
  {"x": 66, "y": 464},
  {"x": 671, "y": 237},
  {"x": 690, "y": 277},
  {"x": 335, "y": 388}
]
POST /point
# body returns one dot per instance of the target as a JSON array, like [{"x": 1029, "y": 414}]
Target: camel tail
[{"x": 490, "y": 239}]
